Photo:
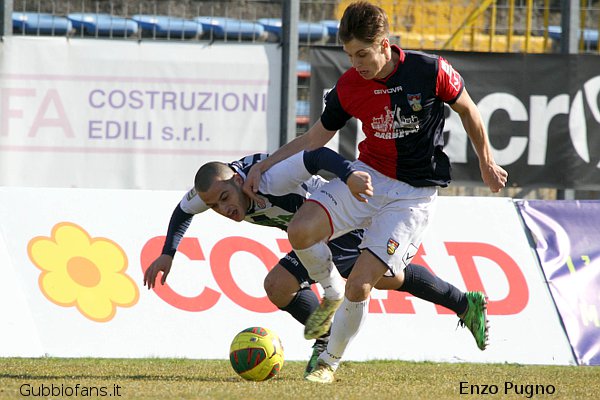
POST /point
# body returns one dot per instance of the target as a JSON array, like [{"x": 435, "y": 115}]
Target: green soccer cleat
[
  {"x": 475, "y": 318},
  {"x": 323, "y": 373},
  {"x": 319, "y": 347},
  {"x": 319, "y": 322}
]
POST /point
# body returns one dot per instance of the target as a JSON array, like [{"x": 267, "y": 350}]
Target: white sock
[
  {"x": 318, "y": 262},
  {"x": 346, "y": 323}
]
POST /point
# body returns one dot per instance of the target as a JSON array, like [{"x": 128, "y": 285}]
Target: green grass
[{"x": 214, "y": 379}]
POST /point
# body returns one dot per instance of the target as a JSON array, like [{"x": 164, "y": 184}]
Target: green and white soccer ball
[{"x": 256, "y": 354}]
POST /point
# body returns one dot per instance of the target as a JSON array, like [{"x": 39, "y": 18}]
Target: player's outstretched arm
[
  {"x": 317, "y": 136},
  {"x": 178, "y": 225},
  {"x": 359, "y": 182},
  {"x": 161, "y": 264},
  {"x": 493, "y": 175}
]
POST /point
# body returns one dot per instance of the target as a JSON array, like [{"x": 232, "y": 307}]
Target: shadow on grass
[{"x": 175, "y": 378}]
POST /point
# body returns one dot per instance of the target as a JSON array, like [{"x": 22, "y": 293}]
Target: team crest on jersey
[
  {"x": 415, "y": 101},
  {"x": 392, "y": 246}
]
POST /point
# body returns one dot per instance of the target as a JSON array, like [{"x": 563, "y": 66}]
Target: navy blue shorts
[{"x": 343, "y": 249}]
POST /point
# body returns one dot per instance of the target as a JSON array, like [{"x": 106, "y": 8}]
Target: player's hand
[
  {"x": 251, "y": 184},
  {"x": 359, "y": 183},
  {"x": 494, "y": 176},
  {"x": 161, "y": 264}
]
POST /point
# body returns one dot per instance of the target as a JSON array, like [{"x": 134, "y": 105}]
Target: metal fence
[
  {"x": 528, "y": 26},
  {"x": 469, "y": 25}
]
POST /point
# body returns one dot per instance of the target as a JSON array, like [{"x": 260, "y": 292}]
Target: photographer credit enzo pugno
[{"x": 509, "y": 387}]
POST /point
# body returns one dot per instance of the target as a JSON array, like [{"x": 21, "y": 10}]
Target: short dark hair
[
  {"x": 207, "y": 174},
  {"x": 365, "y": 22}
]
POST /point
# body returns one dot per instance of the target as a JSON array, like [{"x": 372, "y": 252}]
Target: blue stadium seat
[
  {"x": 103, "y": 24},
  {"x": 332, "y": 25},
  {"x": 302, "y": 112},
  {"x": 40, "y": 24},
  {"x": 167, "y": 27},
  {"x": 590, "y": 36},
  {"x": 303, "y": 69},
  {"x": 231, "y": 29},
  {"x": 307, "y": 31},
  {"x": 302, "y": 107}
]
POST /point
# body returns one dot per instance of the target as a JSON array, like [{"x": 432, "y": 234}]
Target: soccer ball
[{"x": 256, "y": 354}]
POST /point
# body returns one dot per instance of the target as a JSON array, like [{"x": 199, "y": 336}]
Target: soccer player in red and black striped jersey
[{"x": 399, "y": 97}]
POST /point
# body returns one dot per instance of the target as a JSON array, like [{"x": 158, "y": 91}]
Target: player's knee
[
  {"x": 301, "y": 234},
  {"x": 357, "y": 290},
  {"x": 274, "y": 291}
]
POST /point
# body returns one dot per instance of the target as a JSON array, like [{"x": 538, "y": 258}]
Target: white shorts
[{"x": 395, "y": 218}]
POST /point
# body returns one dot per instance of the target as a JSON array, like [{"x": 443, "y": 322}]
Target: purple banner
[{"x": 567, "y": 241}]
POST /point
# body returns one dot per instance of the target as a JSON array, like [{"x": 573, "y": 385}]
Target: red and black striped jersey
[{"x": 402, "y": 116}]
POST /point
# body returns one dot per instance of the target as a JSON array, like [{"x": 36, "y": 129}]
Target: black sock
[
  {"x": 421, "y": 283},
  {"x": 302, "y": 305}
]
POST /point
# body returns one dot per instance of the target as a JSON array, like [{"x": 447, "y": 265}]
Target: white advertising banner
[
  {"x": 73, "y": 262},
  {"x": 129, "y": 114}
]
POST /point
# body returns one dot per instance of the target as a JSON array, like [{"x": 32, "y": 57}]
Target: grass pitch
[{"x": 214, "y": 379}]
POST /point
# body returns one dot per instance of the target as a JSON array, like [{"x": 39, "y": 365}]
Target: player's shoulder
[
  {"x": 421, "y": 57},
  {"x": 191, "y": 203},
  {"x": 243, "y": 165},
  {"x": 423, "y": 67}
]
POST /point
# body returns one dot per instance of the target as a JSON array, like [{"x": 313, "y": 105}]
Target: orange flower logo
[{"x": 78, "y": 270}]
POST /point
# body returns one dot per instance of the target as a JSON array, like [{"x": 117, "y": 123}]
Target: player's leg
[
  {"x": 345, "y": 252},
  {"x": 330, "y": 213},
  {"x": 423, "y": 284},
  {"x": 288, "y": 287},
  {"x": 308, "y": 232},
  {"x": 348, "y": 319},
  {"x": 470, "y": 307},
  {"x": 390, "y": 242},
  {"x": 285, "y": 291}
]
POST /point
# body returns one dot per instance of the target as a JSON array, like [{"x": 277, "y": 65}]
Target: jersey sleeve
[
  {"x": 334, "y": 117},
  {"x": 285, "y": 177},
  {"x": 449, "y": 83},
  {"x": 191, "y": 203},
  {"x": 326, "y": 159},
  {"x": 178, "y": 225},
  {"x": 181, "y": 218},
  {"x": 243, "y": 165}
]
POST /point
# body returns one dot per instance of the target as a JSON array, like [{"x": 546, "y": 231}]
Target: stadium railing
[
  {"x": 223, "y": 28},
  {"x": 308, "y": 32},
  {"x": 163, "y": 26},
  {"x": 31, "y": 23},
  {"x": 103, "y": 25},
  {"x": 424, "y": 25}
]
